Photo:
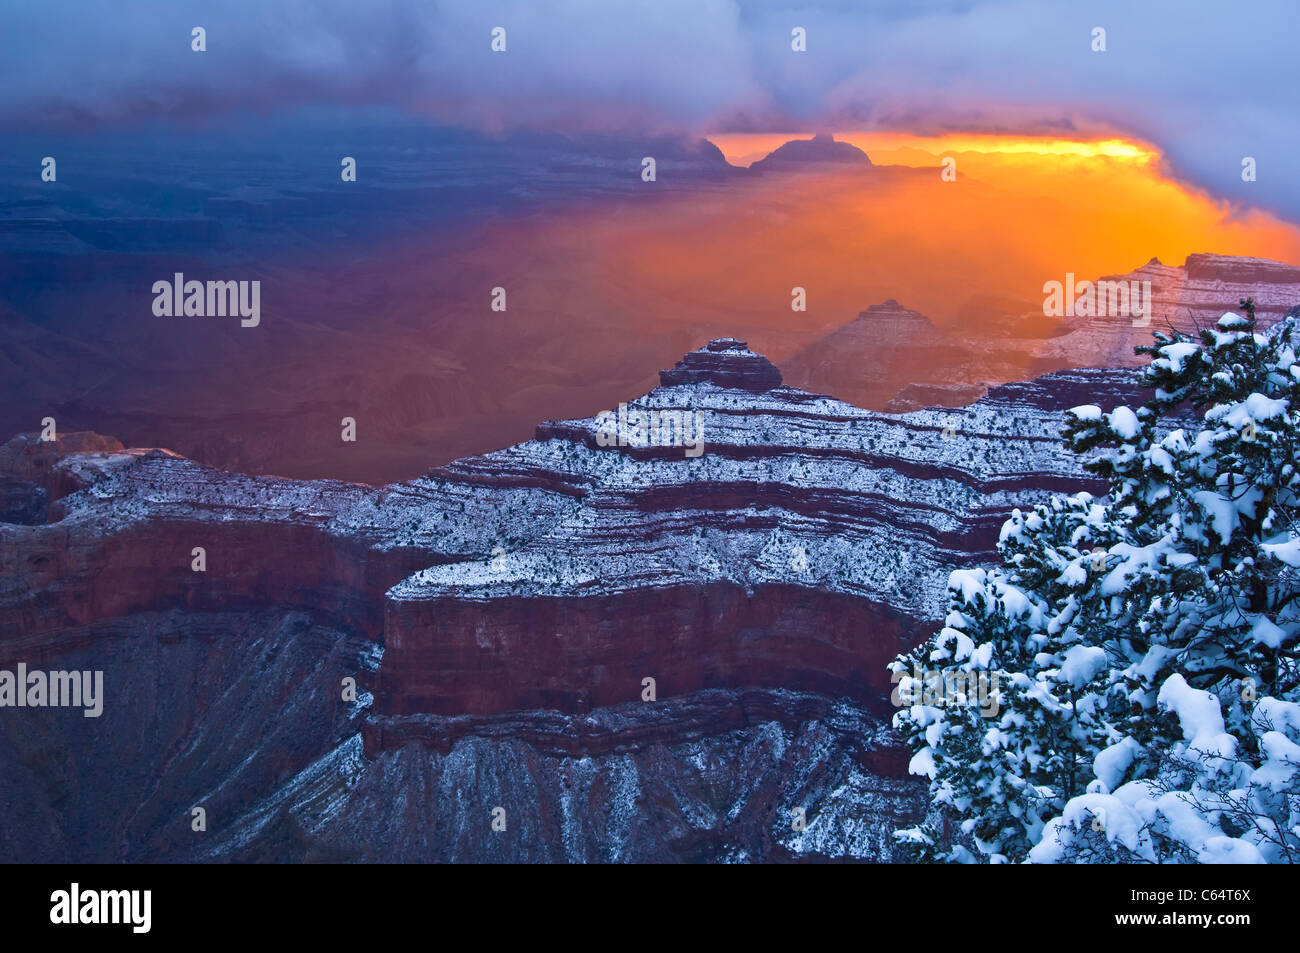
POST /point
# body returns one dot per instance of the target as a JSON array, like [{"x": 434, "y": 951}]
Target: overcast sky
[{"x": 1207, "y": 82}]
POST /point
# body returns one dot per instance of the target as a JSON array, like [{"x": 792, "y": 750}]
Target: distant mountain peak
[{"x": 821, "y": 148}]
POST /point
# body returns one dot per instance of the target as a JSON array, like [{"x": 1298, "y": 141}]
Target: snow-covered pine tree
[{"x": 1146, "y": 643}]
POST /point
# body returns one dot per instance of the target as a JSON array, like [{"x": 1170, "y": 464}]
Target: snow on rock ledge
[{"x": 726, "y": 362}]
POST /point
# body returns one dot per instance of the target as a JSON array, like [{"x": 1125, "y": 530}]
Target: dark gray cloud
[{"x": 1208, "y": 82}]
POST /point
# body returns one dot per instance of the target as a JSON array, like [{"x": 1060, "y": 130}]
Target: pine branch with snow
[{"x": 1148, "y": 643}]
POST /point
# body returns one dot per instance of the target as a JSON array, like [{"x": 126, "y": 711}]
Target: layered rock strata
[{"x": 504, "y": 617}]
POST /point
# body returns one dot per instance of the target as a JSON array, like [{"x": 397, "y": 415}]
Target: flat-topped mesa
[
  {"x": 1232, "y": 269},
  {"x": 726, "y": 362}
]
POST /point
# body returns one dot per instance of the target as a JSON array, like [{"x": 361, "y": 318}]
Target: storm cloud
[{"x": 1207, "y": 82}]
